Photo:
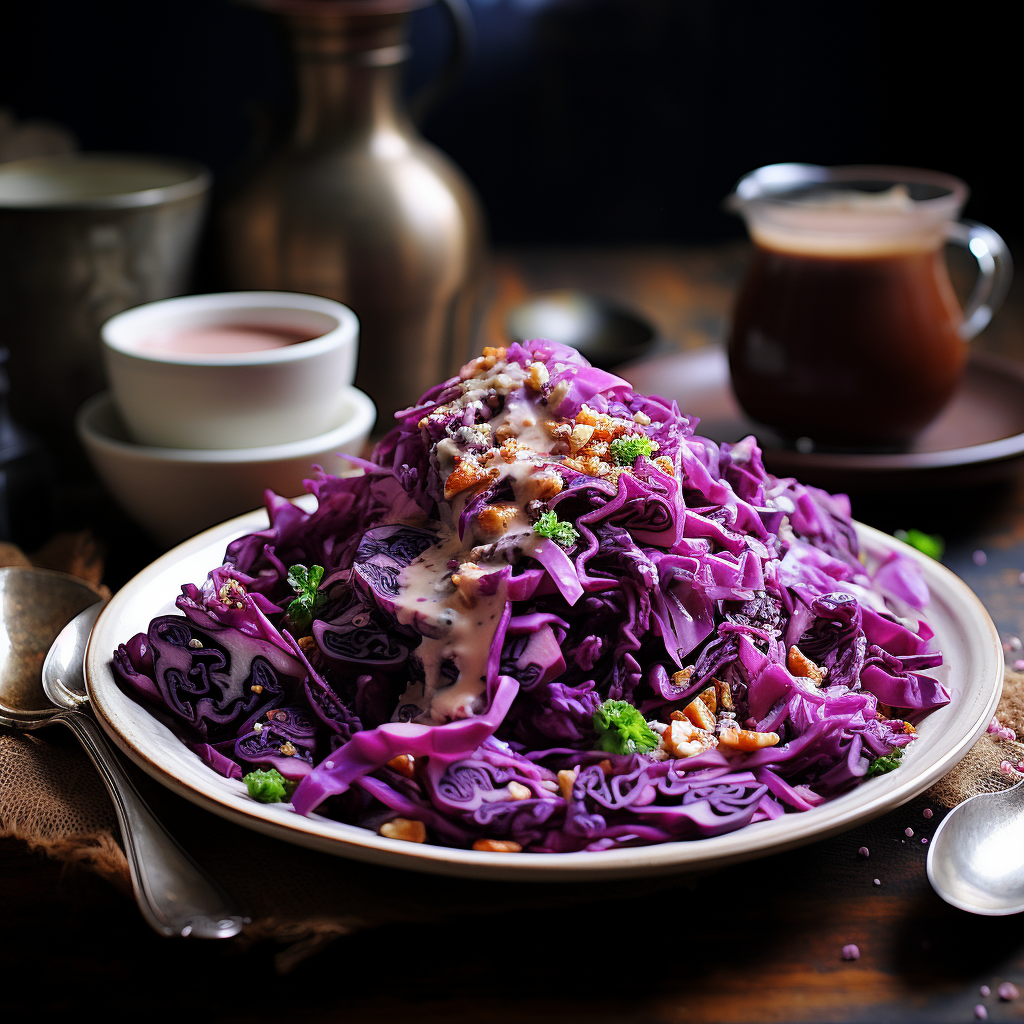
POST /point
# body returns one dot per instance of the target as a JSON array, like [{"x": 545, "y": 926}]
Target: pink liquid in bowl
[{"x": 225, "y": 339}]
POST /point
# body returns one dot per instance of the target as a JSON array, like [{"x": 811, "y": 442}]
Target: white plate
[{"x": 967, "y": 637}]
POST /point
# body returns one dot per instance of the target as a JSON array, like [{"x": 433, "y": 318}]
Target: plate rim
[{"x": 354, "y": 842}]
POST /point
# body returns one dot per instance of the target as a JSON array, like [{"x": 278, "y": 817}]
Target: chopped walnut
[
  {"x": 800, "y": 665},
  {"x": 588, "y": 464},
  {"x": 504, "y": 433},
  {"x": 579, "y": 437},
  {"x": 494, "y": 519},
  {"x": 606, "y": 767},
  {"x": 710, "y": 699},
  {"x": 684, "y": 739},
  {"x": 747, "y": 739},
  {"x": 698, "y": 713},
  {"x": 567, "y": 779},
  {"x": 642, "y": 418},
  {"x": 256, "y": 688},
  {"x": 407, "y": 829},
  {"x": 510, "y": 448},
  {"x": 404, "y": 764},
  {"x": 617, "y": 471},
  {"x": 517, "y": 791},
  {"x": 537, "y": 376},
  {"x": 497, "y": 846},
  {"x": 681, "y": 678},
  {"x": 664, "y": 463},
  {"x": 466, "y": 473},
  {"x": 288, "y": 749},
  {"x": 541, "y": 485},
  {"x": 558, "y": 393},
  {"x": 724, "y": 692}
]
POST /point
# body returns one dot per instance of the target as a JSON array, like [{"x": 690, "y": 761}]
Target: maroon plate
[{"x": 978, "y": 437}]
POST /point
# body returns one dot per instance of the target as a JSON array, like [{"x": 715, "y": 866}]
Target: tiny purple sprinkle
[
  {"x": 927, "y": 812},
  {"x": 979, "y": 557},
  {"x": 980, "y": 1012},
  {"x": 985, "y": 991},
  {"x": 908, "y": 832},
  {"x": 1020, "y": 579},
  {"x": 1018, "y": 665},
  {"x": 864, "y": 851},
  {"x": 877, "y": 881},
  {"x": 453, "y": 563},
  {"x": 925, "y": 840},
  {"x": 1008, "y": 991},
  {"x": 851, "y": 952}
]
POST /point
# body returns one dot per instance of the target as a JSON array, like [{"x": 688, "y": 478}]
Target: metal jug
[{"x": 357, "y": 206}]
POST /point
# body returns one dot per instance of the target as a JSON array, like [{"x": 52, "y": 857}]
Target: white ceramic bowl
[
  {"x": 232, "y": 400},
  {"x": 176, "y": 492}
]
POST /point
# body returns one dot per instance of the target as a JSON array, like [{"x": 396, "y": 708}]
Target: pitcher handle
[
  {"x": 463, "y": 40},
  {"x": 995, "y": 270}
]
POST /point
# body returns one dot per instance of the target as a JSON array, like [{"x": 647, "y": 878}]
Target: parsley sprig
[
  {"x": 626, "y": 450},
  {"x": 550, "y": 526},
  {"x": 621, "y": 729},
  {"x": 884, "y": 764},
  {"x": 306, "y": 583},
  {"x": 269, "y": 787},
  {"x": 930, "y": 543}
]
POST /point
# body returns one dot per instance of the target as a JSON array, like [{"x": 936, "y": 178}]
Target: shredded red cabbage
[{"x": 456, "y": 657}]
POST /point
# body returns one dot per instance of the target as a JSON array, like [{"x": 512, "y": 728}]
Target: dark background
[{"x": 579, "y": 121}]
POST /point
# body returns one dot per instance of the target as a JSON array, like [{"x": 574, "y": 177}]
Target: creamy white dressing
[
  {"x": 457, "y": 622},
  {"x": 462, "y": 622}
]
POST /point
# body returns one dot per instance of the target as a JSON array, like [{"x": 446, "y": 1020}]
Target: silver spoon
[
  {"x": 974, "y": 861},
  {"x": 175, "y": 895}
]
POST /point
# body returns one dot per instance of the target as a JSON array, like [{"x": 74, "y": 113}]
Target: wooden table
[{"x": 758, "y": 942}]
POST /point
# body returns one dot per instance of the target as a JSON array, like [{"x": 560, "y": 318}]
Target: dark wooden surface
[{"x": 758, "y": 942}]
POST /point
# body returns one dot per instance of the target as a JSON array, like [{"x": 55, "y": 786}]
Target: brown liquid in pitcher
[{"x": 847, "y": 350}]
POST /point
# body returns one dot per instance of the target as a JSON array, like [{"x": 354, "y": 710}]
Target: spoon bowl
[
  {"x": 603, "y": 332},
  {"x": 37, "y": 639},
  {"x": 35, "y": 605},
  {"x": 974, "y": 860}
]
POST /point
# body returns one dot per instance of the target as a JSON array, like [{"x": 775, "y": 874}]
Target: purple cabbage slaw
[{"x": 692, "y": 558}]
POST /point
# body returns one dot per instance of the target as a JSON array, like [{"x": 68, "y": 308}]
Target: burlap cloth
[{"x": 52, "y": 800}]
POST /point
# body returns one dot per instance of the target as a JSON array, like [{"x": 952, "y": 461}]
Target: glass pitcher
[{"x": 846, "y": 329}]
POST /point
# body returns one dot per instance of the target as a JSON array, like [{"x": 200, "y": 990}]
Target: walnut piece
[
  {"x": 800, "y": 665},
  {"x": 747, "y": 739},
  {"x": 407, "y": 829},
  {"x": 497, "y": 846},
  {"x": 683, "y": 739},
  {"x": 404, "y": 764}
]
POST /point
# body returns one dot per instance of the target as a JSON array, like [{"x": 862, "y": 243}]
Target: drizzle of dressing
[{"x": 458, "y": 623}]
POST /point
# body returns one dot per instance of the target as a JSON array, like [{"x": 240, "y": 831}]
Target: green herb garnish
[
  {"x": 626, "y": 450},
  {"x": 269, "y": 787},
  {"x": 550, "y": 526},
  {"x": 929, "y": 543},
  {"x": 621, "y": 729},
  {"x": 884, "y": 764},
  {"x": 306, "y": 583}
]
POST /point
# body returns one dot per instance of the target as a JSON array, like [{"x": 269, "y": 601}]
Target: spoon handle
[{"x": 175, "y": 895}]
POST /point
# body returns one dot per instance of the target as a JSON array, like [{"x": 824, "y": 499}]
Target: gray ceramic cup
[{"x": 82, "y": 237}]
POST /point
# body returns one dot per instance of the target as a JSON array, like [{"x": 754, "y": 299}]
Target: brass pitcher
[{"x": 358, "y": 206}]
